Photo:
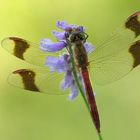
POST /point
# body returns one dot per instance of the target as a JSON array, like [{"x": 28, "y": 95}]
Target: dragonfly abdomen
[{"x": 91, "y": 99}]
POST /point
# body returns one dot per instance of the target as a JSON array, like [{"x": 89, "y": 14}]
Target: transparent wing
[
  {"x": 26, "y": 50},
  {"x": 119, "y": 54},
  {"x": 33, "y": 80},
  {"x": 39, "y": 82}
]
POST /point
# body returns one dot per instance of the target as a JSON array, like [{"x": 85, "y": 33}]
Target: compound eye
[
  {"x": 67, "y": 34},
  {"x": 81, "y": 37},
  {"x": 72, "y": 38}
]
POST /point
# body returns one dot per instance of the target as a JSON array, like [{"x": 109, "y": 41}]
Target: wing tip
[
  {"x": 22, "y": 71},
  {"x": 13, "y": 38},
  {"x": 134, "y": 14}
]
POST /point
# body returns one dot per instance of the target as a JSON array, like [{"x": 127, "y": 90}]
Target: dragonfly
[{"x": 113, "y": 58}]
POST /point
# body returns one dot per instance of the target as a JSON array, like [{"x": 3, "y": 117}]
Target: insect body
[{"x": 78, "y": 39}]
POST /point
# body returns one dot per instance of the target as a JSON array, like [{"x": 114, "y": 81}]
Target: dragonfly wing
[
  {"x": 33, "y": 80},
  {"x": 117, "y": 66},
  {"x": 119, "y": 54},
  {"x": 26, "y": 50}
]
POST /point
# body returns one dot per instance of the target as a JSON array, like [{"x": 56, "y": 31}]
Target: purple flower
[
  {"x": 59, "y": 35},
  {"x": 58, "y": 64},
  {"x": 47, "y": 45},
  {"x": 74, "y": 92},
  {"x": 64, "y": 26},
  {"x": 69, "y": 27},
  {"x": 67, "y": 81},
  {"x": 63, "y": 64}
]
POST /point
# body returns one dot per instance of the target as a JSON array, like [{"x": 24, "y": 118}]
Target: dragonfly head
[{"x": 76, "y": 35}]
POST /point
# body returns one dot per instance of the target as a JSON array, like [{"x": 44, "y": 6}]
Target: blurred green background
[{"x": 28, "y": 116}]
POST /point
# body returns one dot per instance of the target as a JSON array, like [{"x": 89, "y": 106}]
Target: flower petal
[
  {"x": 55, "y": 64},
  {"x": 59, "y": 35},
  {"x": 74, "y": 92},
  {"x": 48, "y": 45},
  {"x": 51, "y": 60},
  {"x": 61, "y": 24},
  {"x": 64, "y": 26},
  {"x": 89, "y": 47},
  {"x": 67, "y": 81},
  {"x": 60, "y": 64}
]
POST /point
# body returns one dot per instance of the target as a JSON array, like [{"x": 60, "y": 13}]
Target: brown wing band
[
  {"x": 28, "y": 79},
  {"x": 133, "y": 23},
  {"x": 135, "y": 51},
  {"x": 20, "y": 47}
]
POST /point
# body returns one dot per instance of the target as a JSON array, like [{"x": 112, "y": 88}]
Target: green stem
[{"x": 100, "y": 136}]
